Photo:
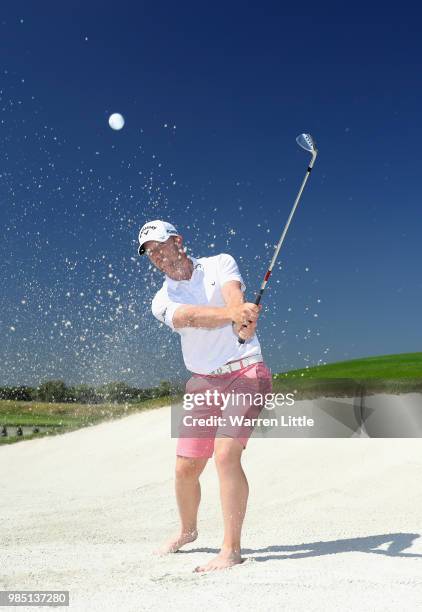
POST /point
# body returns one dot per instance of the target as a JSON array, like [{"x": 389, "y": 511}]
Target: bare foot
[
  {"x": 223, "y": 560},
  {"x": 173, "y": 545}
]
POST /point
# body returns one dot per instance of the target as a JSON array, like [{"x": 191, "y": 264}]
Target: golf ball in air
[{"x": 116, "y": 121}]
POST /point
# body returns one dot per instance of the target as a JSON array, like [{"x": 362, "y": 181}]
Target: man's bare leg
[
  {"x": 234, "y": 492},
  {"x": 188, "y": 495}
]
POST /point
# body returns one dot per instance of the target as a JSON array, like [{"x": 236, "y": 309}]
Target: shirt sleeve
[
  {"x": 228, "y": 270},
  {"x": 163, "y": 308}
]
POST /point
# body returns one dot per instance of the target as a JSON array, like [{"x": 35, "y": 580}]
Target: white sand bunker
[{"x": 332, "y": 524}]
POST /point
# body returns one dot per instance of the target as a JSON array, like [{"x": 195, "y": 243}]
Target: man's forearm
[{"x": 208, "y": 317}]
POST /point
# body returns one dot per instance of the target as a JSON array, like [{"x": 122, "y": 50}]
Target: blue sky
[{"x": 213, "y": 98}]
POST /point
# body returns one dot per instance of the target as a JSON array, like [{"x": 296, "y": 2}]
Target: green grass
[
  {"x": 64, "y": 417},
  {"x": 404, "y": 365},
  {"x": 400, "y": 373}
]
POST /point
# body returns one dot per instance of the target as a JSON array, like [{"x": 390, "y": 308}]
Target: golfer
[{"x": 202, "y": 300}]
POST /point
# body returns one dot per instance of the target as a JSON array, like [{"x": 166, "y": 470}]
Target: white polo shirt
[{"x": 204, "y": 350}]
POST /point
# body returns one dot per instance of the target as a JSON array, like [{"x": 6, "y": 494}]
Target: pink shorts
[{"x": 253, "y": 381}]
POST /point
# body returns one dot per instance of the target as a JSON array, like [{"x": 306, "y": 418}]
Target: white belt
[{"x": 237, "y": 365}]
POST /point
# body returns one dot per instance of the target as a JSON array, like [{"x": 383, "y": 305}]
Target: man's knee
[
  {"x": 227, "y": 452},
  {"x": 188, "y": 468}
]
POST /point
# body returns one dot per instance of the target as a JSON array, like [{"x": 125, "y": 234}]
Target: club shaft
[{"x": 283, "y": 235}]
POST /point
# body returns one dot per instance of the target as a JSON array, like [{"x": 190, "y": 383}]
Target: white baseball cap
[{"x": 155, "y": 230}]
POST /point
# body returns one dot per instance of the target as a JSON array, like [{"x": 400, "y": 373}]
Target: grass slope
[
  {"x": 394, "y": 374},
  {"x": 62, "y": 417},
  {"x": 404, "y": 365}
]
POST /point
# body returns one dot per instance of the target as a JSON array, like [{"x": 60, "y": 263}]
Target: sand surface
[{"x": 332, "y": 524}]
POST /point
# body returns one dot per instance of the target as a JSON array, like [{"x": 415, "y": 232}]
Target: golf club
[{"x": 306, "y": 142}]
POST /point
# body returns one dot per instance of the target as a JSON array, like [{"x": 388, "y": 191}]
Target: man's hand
[
  {"x": 245, "y": 332},
  {"x": 244, "y": 314}
]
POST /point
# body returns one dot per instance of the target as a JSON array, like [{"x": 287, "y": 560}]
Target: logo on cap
[{"x": 146, "y": 229}]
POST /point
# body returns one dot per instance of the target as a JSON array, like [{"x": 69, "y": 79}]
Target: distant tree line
[{"x": 113, "y": 392}]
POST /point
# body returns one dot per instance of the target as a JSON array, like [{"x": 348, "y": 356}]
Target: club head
[{"x": 306, "y": 142}]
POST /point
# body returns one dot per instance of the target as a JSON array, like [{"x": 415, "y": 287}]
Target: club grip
[{"x": 257, "y": 300}]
